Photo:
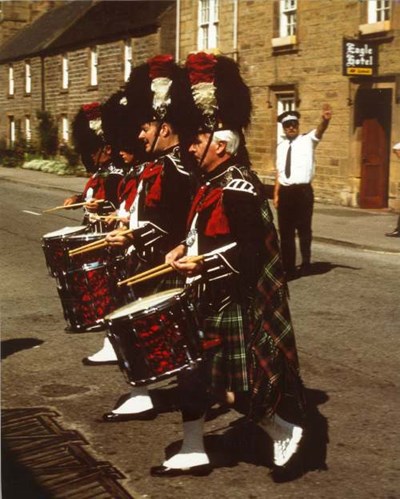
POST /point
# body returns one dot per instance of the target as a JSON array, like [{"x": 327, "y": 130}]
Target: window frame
[
  {"x": 379, "y": 11},
  {"x": 12, "y": 131},
  {"x": 128, "y": 53},
  {"x": 65, "y": 129},
  {"x": 93, "y": 66},
  {"x": 28, "y": 129},
  {"x": 11, "y": 80},
  {"x": 64, "y": 72},
  {"x": 28, "y": 77},
  {"x": 285, "y": 101},
  {"x": 287, "y": 27},
  {"x": 207, "y": 26}
]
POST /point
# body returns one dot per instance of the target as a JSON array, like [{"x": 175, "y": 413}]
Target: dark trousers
[
  {"x": 193, "y": 391},
  {"x": 295, "y": 210}
]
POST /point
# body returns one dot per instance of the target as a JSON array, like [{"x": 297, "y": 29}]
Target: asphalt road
[{"x": 347, "y": 321}]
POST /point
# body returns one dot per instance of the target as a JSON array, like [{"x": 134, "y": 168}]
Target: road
[{"x": 346, "y": 318}]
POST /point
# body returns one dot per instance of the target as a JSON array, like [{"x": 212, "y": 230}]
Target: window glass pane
[
  {"x": 28, "y": 77},
  {"x": 28, "y": 131},
  {"x": 64, "y": 69},
  {"x": 11, "y": 80},
  {"x": 93, "y": 66},
  {"x": 127, "y": 59}
]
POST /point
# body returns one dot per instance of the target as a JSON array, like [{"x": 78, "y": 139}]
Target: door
[{"x": 373, "y": 108}]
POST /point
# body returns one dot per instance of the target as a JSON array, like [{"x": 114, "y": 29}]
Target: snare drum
[
  {"x": 91, "y": 292},
  {"x": 53, "y": 244},
  {"x": 101, "y": 255},
  {"x": 155, "y": 337}
]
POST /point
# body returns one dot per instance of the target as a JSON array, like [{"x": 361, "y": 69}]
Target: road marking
[{"x": 32, "y": 213}]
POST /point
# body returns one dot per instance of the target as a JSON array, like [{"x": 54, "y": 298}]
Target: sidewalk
[{"x": 363, "y": 229}]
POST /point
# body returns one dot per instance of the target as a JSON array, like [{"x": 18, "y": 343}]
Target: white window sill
[
  {"x": 371, "y": 28},
  {"x": 284, "y": 41}
]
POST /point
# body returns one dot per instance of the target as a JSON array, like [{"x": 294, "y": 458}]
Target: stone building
[
  {"x": 294, "y": 54},
  {"x": 75, "y": 53},
  {"x": 291, "y": 55}
]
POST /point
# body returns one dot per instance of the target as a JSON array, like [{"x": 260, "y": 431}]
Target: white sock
[
  {"x": 286, "y": 437},
  {"x": 106, "y": 354},
  {"x": 138, "y": 401},
  {"x": 192, "y": 452}
]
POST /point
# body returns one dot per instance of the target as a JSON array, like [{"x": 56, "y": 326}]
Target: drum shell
[
  {"x": 102, "y": 255},
  {"x": 91, "y": 292},
  {"x": 158, "y": 342},
  {"x": 55, "y": 249}
]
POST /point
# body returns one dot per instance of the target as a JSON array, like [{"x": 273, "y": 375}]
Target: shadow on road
[
  {"x": 318, "y": 268},
  {"x": 244, "y": 441},
  {"x": 9, "y": 347}
]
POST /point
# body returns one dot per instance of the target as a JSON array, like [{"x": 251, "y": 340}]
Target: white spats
[
  {"x": 192, "y": 452},
  {"x": 286, "y": 437},
  {"x": 138, "y": 401},
  {"x": 106, "y": 354}
]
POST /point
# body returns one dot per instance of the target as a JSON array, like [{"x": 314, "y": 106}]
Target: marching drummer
[
  {"x": 239, "y": 283},
  {"x": 158, "y": 202},
  {"x": 93, "y": 141}
]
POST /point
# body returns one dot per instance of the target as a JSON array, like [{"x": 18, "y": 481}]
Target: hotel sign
[{"x": 359, "y": 58}]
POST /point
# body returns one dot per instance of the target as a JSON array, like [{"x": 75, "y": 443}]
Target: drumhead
[
  {"x": 89, "y": 236},
  {"x": 142, "y": 304},
  {"x": 65, "y": 231}
]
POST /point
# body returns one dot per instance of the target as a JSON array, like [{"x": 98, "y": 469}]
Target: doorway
[{"x": 373, "y": 115}]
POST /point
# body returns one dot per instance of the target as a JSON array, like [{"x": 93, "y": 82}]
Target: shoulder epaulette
[{"x": 241, "y": 185}]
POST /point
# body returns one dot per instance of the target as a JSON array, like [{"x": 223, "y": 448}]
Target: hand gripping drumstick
[
  {"x": 74, "y": 205},
  {"x": 165, "y": 268},
  {"x": 101, "y": 243}
]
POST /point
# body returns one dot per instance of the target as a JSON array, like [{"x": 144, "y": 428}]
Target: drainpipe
[
  {"x": 178, "y": 27},
  {"x": 235, "y": 29},
  {"x": 42, "y": 84}
]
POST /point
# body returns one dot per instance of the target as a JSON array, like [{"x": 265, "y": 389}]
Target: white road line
[{"x": 32, "y": 213}]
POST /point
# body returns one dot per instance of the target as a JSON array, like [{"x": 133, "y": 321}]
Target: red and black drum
[
  {"x": 91, "y": 292},
  {"x": 155, "y": 337},
  {"x": 54, "y": 245}
]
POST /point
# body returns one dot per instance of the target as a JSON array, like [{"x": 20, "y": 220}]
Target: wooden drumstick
[
  {"x": 74, "y": 205},
  {"x": 155, "y": 272},
  {"x": 101, "y": 243}
]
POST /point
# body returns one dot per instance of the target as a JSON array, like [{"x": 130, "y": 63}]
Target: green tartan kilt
[{"x": 229, "y": 365}]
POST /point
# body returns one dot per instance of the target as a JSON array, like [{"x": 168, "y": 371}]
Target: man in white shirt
[{"x": 293, "y": 193}]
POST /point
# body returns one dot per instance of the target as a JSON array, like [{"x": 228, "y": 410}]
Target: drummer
[
  {"x": 239, "y": 283},
  {"x": 161, "y": 196},
  {"x": 99, "y": 159}
]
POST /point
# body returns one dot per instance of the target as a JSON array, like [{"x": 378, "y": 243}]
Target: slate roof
[{"x": 81, "y": 23}]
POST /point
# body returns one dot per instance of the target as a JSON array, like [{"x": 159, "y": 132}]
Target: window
[
  {"x": 11, "y": 130},
  {"x": 93, "y": 66},
  {"x": 208, "y": 24},
  {"x": 378, "y": 11},
  {"x": 64, "y": 72},
  {"x": 28, "y": 82},
  {"x": 127, "y": 58},
  {"x": 285, "y": 102},
  {"x": 11, "y": 85},
  {"x": 287, "y": 18},
  {"x": 28, "y": 129},
  {"x": 64, "y": 129}
]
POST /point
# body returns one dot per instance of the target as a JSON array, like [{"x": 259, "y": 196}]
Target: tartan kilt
[{"x": 229, "y": 365}]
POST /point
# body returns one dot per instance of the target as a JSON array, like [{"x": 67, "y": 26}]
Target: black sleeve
[
  {"x": 245, "y": 220},
  {"x": 111, "y": 187}
]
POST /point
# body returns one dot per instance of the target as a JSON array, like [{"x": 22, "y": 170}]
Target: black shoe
[
  {"x": 87, "y": 362},
  {"x": 112, "y": 417},
  {"x": 290, "y": 274},
  {"x": 394, "y": 233},
  {"x": 200, "y": 470}
]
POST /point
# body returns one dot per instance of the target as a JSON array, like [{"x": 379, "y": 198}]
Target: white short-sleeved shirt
[{"x": 302, "y": 159}]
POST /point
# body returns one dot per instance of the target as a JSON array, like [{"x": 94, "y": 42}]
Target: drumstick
[
  {"x": 74, "y": 205},
  {"x": 155, "y": 272},
  {"x": 101, "y": 243}
]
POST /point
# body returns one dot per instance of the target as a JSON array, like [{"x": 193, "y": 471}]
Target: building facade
[
  {"x": 291, "y": 55},
  {"x": 73, "y": 54},
  {"x": 294, "y": 54}
]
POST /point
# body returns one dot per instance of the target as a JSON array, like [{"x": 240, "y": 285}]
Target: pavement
[{"x": 333, "y": 224}]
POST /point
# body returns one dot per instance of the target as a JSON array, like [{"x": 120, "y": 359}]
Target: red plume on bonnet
[
  {"x": 219, "y": 92},
  {"x": 161, "y": 66}
]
